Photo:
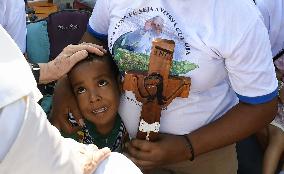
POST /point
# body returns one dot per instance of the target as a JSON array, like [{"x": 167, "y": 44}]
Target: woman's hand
[
  {"x": 62, "y": 64},
  {"x": 168, "y": 149},
  {"x": 64, "y": 102}
]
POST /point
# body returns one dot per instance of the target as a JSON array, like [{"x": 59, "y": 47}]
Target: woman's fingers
[
  {"x": 142, "y": 144},
  {"x": 77, "y": 56},
  {"x": 140, "y": 150}
]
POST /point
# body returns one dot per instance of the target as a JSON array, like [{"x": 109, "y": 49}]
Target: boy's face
[{"x": 96, "y": 91}]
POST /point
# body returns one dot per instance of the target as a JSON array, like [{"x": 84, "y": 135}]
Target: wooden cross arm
[
  {"x": 177, "y": 87},
  {"x": 131, "y": 82}
]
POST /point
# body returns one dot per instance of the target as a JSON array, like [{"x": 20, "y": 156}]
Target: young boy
[{"x": 95, "y": 84}]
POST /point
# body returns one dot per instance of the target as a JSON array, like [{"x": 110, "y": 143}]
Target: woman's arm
[{"x": 239, "y": 122}]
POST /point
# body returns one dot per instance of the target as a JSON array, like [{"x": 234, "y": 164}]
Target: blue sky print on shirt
[{"x": 138, "y": 29}]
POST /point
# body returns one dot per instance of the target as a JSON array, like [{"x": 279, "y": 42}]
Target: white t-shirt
[
  {"x": 13, "y": 20},
  {"x": 222, "y": 45},
  {"x": 273, "y": 15}
]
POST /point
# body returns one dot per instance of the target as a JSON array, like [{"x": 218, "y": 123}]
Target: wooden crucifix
[{"x": 156, "y": 88}]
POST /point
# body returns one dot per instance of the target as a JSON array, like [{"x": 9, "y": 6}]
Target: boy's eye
[
  {"x": 102, "y": 83},
  {"x": 81, "y": 90}
]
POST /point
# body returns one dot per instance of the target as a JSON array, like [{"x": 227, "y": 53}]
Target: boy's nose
[{"x": 95, "y": 98}]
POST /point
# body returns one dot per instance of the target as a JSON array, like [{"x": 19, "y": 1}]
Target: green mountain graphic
[{"x": 127, "y": 60}]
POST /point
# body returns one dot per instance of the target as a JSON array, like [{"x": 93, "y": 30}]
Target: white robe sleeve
[
  {"x": 11, "y": 118},
  {"x": 39, "y": 147}
]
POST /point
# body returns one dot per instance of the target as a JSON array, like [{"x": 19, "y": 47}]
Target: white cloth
[
  {"x": 39, "y": 148},
  {"x": 117, "y": 163},
  {"x": 13, "y": 19},
  {"x": 223, "y": 46},
  {"x": 10, "y": 124},
  {"x": 273, "y": 15}
]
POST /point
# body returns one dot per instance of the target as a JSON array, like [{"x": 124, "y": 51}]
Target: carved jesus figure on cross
[{"x": 156, "y": 89}]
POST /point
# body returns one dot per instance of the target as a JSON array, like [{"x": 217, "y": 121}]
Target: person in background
[
  {"x": 275, "y": 131},
  {"x": 272, "y": 12},
  {"x": 13, "y": 20},
  {"x": 89, "y": 3},
  {"x": 223, "y": 46},
  {"x": 96, "y": 86},
  {"x": 63, "y": 4}
]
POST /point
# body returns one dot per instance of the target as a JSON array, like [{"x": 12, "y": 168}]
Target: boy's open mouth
[{"x": 99, "y": 110}]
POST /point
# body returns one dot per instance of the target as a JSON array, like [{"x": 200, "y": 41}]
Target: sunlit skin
[{"x": 97, "y": 93}]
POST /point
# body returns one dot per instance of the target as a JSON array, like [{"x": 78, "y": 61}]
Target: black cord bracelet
[{"x": 189, "y": 146}]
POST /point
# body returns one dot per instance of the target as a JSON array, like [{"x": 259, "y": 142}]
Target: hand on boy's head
[
  {"x": 70, "y": 55},
  {"x": 94, "y": 48},
  {"x": 64, "y": 102}
]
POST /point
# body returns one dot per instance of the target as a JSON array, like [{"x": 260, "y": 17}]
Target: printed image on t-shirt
[{"x": 132, "y": 49}]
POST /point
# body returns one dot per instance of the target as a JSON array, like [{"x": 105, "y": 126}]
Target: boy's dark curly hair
[{"x": 107, "y": 58}]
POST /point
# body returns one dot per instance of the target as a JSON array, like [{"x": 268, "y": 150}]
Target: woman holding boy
[{"x": 223, "y": 47}]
